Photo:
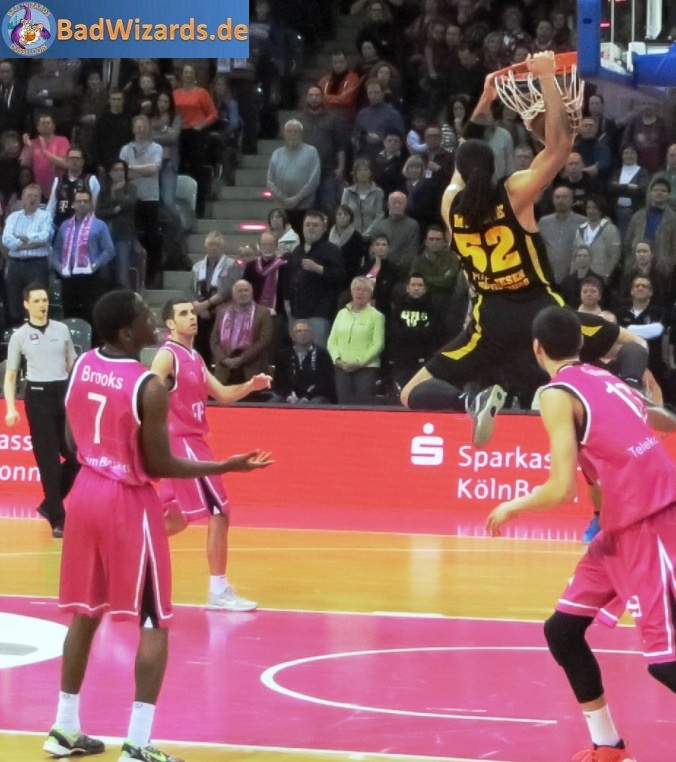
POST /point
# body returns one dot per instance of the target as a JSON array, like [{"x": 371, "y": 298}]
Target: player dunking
[
  {"x": 594, "y": 419},
  {"x": 115, "y": 552},
  {"x": 184, "y": 373},
  {"x": 494, "y": 233}
]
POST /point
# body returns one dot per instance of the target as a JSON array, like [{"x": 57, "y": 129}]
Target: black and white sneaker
[
  {"x": 482, "y": 410},
  {"x": 62, "y": 744}
]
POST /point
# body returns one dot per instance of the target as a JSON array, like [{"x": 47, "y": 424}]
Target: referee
[{"x": 50, "y": 354}]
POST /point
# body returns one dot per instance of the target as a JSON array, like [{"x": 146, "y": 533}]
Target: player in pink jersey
[
  {"x": 115, "y": 552},
  {"x": 190, "y": 383},
  {"x": 594, "y": 419}
]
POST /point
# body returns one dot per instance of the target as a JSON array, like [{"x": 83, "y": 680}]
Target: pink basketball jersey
[
  {"x": 103, "y": 413},
  {"x": 618, "y": 448},
  {"x": 188, "y": 397}
]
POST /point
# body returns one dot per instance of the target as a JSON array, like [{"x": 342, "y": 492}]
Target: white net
[{"x": 520, "y": 91}]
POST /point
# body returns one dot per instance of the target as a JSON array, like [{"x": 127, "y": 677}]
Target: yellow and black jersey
[{"x": 501, "y": 256}]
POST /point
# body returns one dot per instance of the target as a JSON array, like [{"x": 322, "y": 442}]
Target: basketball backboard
[{"x": 627, "y": 43}]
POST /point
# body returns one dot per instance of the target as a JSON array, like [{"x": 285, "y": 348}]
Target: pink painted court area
[{"x": 394, "y": 684}]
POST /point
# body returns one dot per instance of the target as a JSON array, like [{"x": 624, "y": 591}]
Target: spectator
[
  {"x": 27, "y": 236},
  {"x": 62, "y": 196},
  {"x": 381, "y": 272},
  {"x": 513, "y": 34},
  {"x": 402, "y": 232},
  {"x": 380, "y": 31},
  {"x": 389, "y": 163},
  {"x": 45, "y": 154},
  {"x": 603, "y": 239},
  {"x": 316, "y": 273},
  {"x": 433, "y": 65},
  {"x": 438, "y": 265},
  {"x": 340, "y": 89},
  {"x": 474, "y": 21},
  {"x": 669, "y": 174},
  {"x": 112, "y": 130},
  {"x": 559, "y": 230},
  {"x": 648, "y": 132},
  {"x": 53, "y": 88},
  {"x": 349, "y": 241},
  {"x": 144, "y": 159},
  {"x": 304, "y": 371},
  {"x": 655, "y": 223},
  {"x": 165, "y": 130},
  {"x": 374, "y": 121},
  {"x": 574, "y": 177},
  {"x": 591, "y": 296},
  {"x": 116, "y": 206},
  {"x": 544, "y": 38},
  {"x": 643, "y": 263},
  {"x": 280, "y": 227},
  {"x": 645, "y": 318},
  {"x": 90, "y": 107},
  {"x": 439, "y": 161},
  {"x": 500, "y": 142},
  {"x": 628, "y": 186},
  {"x": 454, "y": 120},
  {"x": 26, "y": 177},
  {"x": 415, "y": 330},
  {"x": 511, "y": 121},
  {"x": 267, "y": 273},
  {"x": 523, "y": 157},
  {"x": 82, "y": 249},
  {"x": 571, "y": 285},
  {"x": 241, "y": 338},
  {"x": 14, "y": 111},
  {"x": 388, "y": 76},
  {"x": 595, "y": 154},
  {"x": 226, "y": 131},
  {"x": 468, "y": 79},
  {"x": 146, "y": 98},
  {"x": 364, "y": 197},
  {"x": 198, "y": 113},
  {"x": 366, "y": 60},
  {"x": 495, "y": 55},
  {"x": 423, "y": 194},
  {"x": 355, "y": 344},
  {"x": 210, "y": 286},
  {"x": 323, "y": 131},
  {"x": 294, "y": 172},
  {"x": 10, "y": 165},
  {"x": 607, "y": 129}
]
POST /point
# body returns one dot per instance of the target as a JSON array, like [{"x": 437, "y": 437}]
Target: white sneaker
[
  {"x": 482, "y": 410},
  {"x": 228, "y": 601}
]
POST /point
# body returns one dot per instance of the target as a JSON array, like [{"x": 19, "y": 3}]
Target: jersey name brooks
[
  {"x": 103, "y": 414},
  {"x": 618, "y": 448},
  {"x": 501, "y": 256},
  {"x": 188, "y": 397}
]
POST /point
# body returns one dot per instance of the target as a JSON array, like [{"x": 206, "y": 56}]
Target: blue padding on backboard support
[
  {"x": 657, "y": 70},
  {"x": 588, "y": 38}
]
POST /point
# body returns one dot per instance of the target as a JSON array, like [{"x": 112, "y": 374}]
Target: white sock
[
  {"x": 141, "y": 723},
  {"x": 218, "y": 584},
  {"x": 601, "y": 727},
  {"x": 68, "y": 712}
]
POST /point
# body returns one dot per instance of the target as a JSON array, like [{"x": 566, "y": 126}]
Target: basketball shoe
[
  {"x": 604, "y": 754},
  {"x": 482, "y": 409},
  {"x": 144, "y": 754},
  {"x": 62, "y": 744},
  {"x": 229, "y": 601}
]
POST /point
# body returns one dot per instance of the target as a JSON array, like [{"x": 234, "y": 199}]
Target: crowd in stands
[{"x": 353, "y": 285}]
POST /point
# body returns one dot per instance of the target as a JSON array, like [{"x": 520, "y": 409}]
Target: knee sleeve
[
  {"x": 565, "y": 634},
  {"x": 435, "y": 394},
  {"x": 665, "y": 674},
  {"x": 631, "y": 364}
]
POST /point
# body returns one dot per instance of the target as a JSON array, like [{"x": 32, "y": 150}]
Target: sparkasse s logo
[
  {"x": 29, "y": 29},
  {"x": 427, "y": 450}
]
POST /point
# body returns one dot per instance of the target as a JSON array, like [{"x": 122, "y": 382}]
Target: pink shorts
[
  {"x": 194, "y": 498},
  {"x": 632, "y": 569},
  {"x": 115, "y": 551}
]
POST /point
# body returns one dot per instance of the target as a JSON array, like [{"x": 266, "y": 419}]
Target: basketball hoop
[{"x": 518, "y": 90}]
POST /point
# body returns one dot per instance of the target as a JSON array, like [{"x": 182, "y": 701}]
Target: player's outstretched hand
[
  {"x": 249, "y": 461},
  {"x": 499, "y": 516},
  {"x": 260, "y": 381},
  {"x": 542, "y": 64}
]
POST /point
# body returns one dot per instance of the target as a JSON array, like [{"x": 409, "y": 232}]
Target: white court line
[{"x": 350, "y": 756}]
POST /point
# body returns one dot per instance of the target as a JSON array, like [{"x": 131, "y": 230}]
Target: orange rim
[{"x": 564, "y": 63}]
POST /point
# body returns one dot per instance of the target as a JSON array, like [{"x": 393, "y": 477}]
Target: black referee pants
[{"x": 57, "y": 464}]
